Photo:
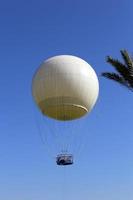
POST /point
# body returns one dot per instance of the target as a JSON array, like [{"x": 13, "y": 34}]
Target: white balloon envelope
[{"x": 65, "y": 87}]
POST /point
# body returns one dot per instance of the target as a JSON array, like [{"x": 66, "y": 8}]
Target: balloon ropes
[{"x": 65, "y": 89}]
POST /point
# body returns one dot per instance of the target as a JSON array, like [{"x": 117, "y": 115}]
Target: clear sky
[{"x": 30, "y": 32}]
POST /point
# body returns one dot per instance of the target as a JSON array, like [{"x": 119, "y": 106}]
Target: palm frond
[
  {"x": 128, "y": 61},
  {"x": 119, "y": 67},
  {"x": 115, "y": 77},
  {"x": 126, "y": 57},
  {"x": 124, "y": 71},
  {"x": 130, "y": 82}
]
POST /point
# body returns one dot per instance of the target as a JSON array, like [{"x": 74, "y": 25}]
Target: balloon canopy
[{"x": 65, "y": 87}]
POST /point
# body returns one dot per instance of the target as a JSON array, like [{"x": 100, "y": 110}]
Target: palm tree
[{"x": 124, "y": 71}]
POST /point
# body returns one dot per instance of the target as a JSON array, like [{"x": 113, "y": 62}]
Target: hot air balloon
[{"x": 65, "y": 89}]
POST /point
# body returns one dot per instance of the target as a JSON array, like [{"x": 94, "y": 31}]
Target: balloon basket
[{"x": 64, "y": 159}]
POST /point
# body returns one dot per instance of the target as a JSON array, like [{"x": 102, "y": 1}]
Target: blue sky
[{"x": 30, "y": 32}]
